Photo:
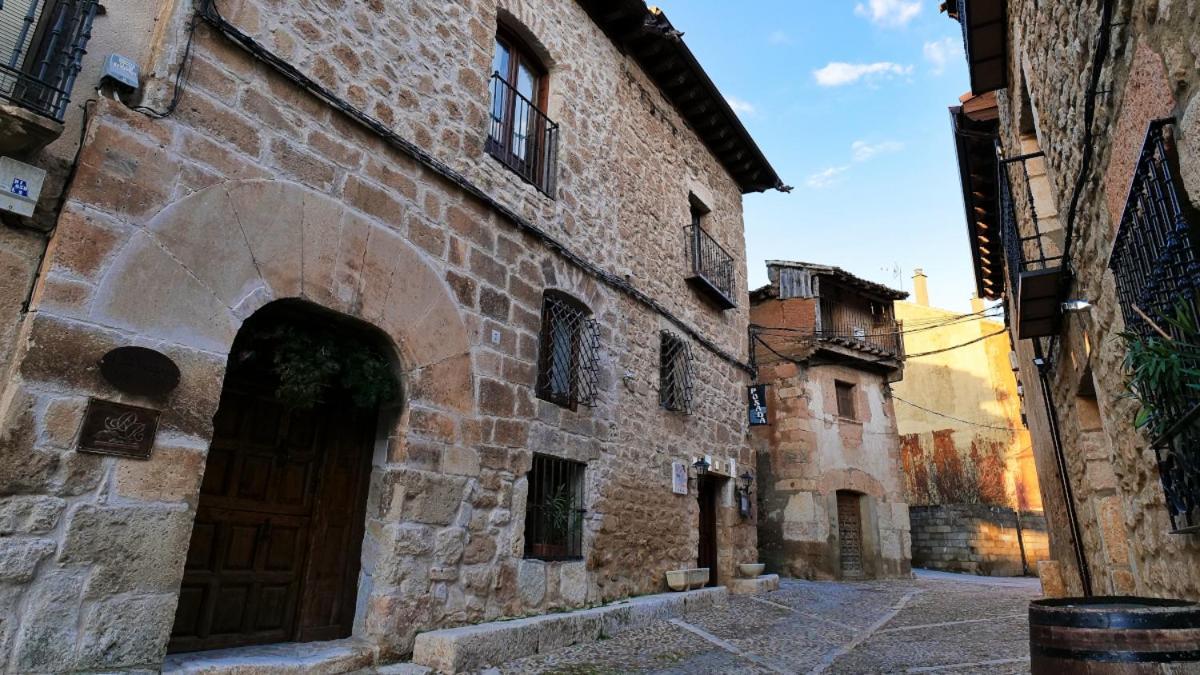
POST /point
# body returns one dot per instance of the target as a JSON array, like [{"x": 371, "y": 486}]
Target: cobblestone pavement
[{"x": 936, "y": 623}]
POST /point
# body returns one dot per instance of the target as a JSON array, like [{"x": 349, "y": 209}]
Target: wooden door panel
[
  {"x": 275, "y": 548},
  {"x": 850, "y": 533}
]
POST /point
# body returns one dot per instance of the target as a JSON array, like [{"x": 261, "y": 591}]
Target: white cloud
[
  {"x": 863, "y": 150},
  {"x": 742, "y": 108},
  {"x": 838, "y": 73},
  {"x": 825, "y": 177},
  {"x": 939, "y": 52},
  {"x": 779, "y": 37},
  {"x": 891, "y": 13}
]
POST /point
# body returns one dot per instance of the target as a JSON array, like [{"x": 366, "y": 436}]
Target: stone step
[
  {"x": 288, "y": 658},
  {"x": 763, "y": 583},
  {"x": 477, "y": 647}
]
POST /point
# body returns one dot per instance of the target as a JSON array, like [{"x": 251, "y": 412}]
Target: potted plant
[{"x": 561, "y": 521}]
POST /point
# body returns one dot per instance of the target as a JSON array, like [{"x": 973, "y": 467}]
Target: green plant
[
  {"x": 1163, "y": 370},
  {"x": 561, "y": 516},
  {"x": 308, "y": 360}
]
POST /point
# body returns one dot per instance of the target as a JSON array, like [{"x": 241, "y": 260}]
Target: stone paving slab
[{"x": 941, "y": 625}]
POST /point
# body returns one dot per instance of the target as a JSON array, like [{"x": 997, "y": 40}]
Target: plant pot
[
  {"x": 549, "y": 551},
  {"x": 750, "y": 570},
  {"x": 697, "y": 578},
  {"x": 677, "y": 580}
]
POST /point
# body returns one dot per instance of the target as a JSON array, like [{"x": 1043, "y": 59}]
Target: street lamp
[{"x": 701, "y": 466}]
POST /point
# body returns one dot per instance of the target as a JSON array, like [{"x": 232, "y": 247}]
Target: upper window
[
  {"x": 521, "y": 135},
  {"x": 675, "y": 373},
  {"x": 845, "y": 400},
  {"x": 568, "y": 345},
  {"x": 712, "y": 266},
  {"x": 554, "y": 510}
]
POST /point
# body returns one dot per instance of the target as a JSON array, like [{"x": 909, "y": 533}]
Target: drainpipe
[{"x": 1085, "y": 576}]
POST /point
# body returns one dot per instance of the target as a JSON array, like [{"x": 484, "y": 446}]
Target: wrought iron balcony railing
[
  {"x": 712, "y": 267},
  {"x": 42, "y": 43},
  {"x": 522, "y": 137},
  {"x": 1032, "y": 254},
  {"x": 849, "y": 327},
  {"x": 1157, "y": 273}
]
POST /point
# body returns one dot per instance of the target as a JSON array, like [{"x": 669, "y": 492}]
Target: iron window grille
[
  {"x": 554, "y": 511},
  {"x": 42, "y": 43},
  {"x": 675, "y": 373},
  {"x": 1157, "y": 273},
  {"x": 712, "y": 266},
  {"x": 522, "y": 137},
  {"x": 568, "y": 359}
]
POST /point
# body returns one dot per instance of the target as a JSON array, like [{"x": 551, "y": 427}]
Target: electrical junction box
[
  {"x": 20, "y": 186},
  {"x": 121, "y": 71}
]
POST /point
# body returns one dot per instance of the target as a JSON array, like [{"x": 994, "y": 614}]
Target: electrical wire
[
  {"x": 952, "y": 417},
  {"x": 967, "y": 318},
  {"x": 181, "y": 76}
]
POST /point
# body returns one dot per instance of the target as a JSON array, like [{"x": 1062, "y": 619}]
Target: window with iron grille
[
  {"x": 43, "y": 43},
  {"x": 675, "y": 373},
  {"x": 845, "y": 399},
  {"x": 568, "y": 366},
  {"x": 554, "y": 510},
  {"x": 1157, "y": 274}
]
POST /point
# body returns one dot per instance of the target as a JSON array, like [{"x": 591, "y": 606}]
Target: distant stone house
[
  {"x": 381, "y": 317},
  {"x": 831, "y": 492}
]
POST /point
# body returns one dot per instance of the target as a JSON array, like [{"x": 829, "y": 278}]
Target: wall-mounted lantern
[
  {"x": 747, "y": 480},
  {"x": 701, "y": 466}
]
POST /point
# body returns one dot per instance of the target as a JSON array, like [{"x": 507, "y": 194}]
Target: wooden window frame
[{"x": 844, "y": 394}]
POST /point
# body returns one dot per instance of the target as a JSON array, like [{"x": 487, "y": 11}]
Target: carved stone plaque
[
  {"x": 117, "y": 429},
  {"x": 140, "y": 371}
]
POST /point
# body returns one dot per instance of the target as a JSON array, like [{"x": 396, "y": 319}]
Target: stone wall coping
[{"x": 454, "y": 650}]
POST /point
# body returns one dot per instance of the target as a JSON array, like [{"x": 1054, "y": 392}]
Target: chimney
[
  {"x": 976, "y": 304},
  {"x": 920, "y": 287}
]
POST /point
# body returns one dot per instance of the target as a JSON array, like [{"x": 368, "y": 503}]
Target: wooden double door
[{"x": 274, "y": 553}]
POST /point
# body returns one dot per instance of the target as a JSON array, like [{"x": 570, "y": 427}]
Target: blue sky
[{"x": 865, "y": 141}]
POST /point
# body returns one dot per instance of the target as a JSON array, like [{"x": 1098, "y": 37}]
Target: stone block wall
[
  {"x": 1148, "y": 72},
  {"x": 978, "y": 539},
  {"x": 177, "y": 230}
]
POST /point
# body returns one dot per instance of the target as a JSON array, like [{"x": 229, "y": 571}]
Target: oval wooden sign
[{"x": 140, "y": 371}]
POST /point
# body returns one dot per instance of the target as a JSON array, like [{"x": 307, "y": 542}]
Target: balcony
[
  {"x": 872, "y": 330},
  {"x": 712, "y": 268},
  {"x": 42, "y": 43},
  {"x": 522, "y": 137},
  {"x": 1032, "y": 253}
]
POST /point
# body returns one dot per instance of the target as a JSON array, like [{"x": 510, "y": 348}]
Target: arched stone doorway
[{"x": 275, "y": 548}]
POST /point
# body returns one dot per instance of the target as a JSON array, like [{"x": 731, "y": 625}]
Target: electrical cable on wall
[
  {"x": 181, "y": 76},
  {"x": 956, "y": 419}
]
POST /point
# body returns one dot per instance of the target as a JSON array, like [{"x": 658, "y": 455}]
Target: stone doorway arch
[{"x": 187, "y": 280}]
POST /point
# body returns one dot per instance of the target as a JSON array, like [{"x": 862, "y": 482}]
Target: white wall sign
[{"x": 679, "y": 476}]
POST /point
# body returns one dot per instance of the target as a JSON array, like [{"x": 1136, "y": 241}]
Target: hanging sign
[{"x": 757, "y": 396}]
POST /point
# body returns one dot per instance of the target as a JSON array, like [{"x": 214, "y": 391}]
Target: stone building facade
[
  {"x": 831, "y": 492},
  {"x": 351, "y": 168},
  {"x": 1094, "y": 106}
]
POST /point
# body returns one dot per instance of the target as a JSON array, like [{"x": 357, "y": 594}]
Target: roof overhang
[
  {"x": 975, "y": 130},
  {"x": 645, "y": 34},
  {"x": 985, "y": 41}
]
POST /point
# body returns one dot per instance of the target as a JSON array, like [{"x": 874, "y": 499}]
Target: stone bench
[{"x": 454, "y": 650}]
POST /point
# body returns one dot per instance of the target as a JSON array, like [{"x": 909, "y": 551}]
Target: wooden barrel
[{"x": 1114, "y": 634}]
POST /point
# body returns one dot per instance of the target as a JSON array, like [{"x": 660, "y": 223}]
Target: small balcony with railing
[
  {"x": 867, "y": 327},
  {"x": 712, "y": 268},
  {"x": 522, "y": 137},
  {"x": 1031, "y": 235},
  {"x": 42, "y": 43}
]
